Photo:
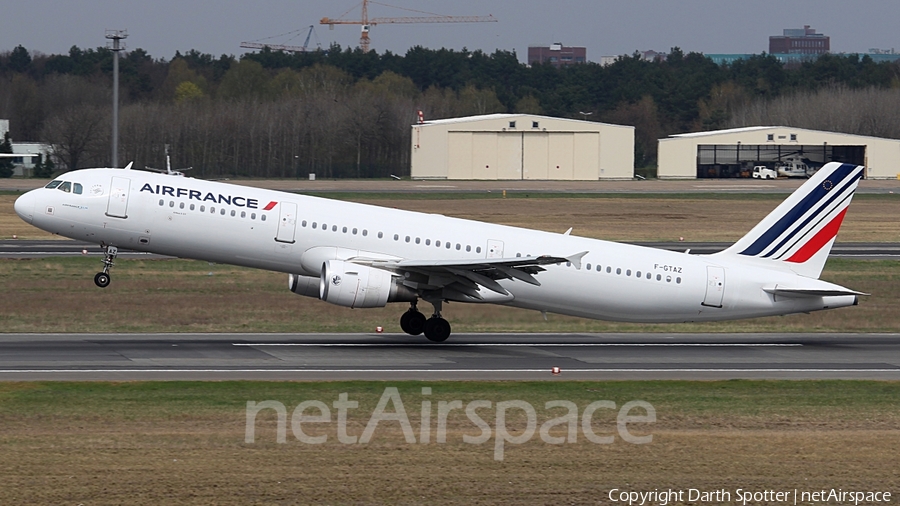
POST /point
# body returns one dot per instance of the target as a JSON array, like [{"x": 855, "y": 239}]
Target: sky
[{"x": 162, "y": 27}]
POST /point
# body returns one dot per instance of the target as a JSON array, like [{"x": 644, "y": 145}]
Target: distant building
[
  {"x": 799, "y": 41},
  {"x": 557, "y": 55},
  {"x": 25, "y": 155}
]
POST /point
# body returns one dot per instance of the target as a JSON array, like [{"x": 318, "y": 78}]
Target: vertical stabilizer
[{"x": 801, "y": 231}]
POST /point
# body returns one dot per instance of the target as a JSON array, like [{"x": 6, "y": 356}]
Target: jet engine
[
  {"x": 304, "y": 285},
  {"x": 351, "y": 285}
]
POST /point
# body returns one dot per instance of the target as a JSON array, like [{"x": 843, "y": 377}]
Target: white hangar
[
  {"x": 521, "y": 146},
  {"x": 732, "y": 153}
]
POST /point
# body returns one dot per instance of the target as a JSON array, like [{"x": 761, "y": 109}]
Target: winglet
[
  {"x": 128, "y": 167},
  {"x": 576, "y": 259}
]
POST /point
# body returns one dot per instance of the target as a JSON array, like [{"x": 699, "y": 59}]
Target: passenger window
[
  {"x": 478, "y": 249},
  {"x": 649, "y": 275},
  {"x": 302, "y": 223},
  {"x": 418, "y": 240},
  {"x": 638, "y": 274},
  {"x": 192, "y": 207},
  {"x": 447, "y": 245},
  {"x": 66, "y": 187},
  {"x": 314, "y": 225},
  {"x": 619, "y": 270},
  {"x": 77, "y": 189},
  {"x": 262, "y": 217},
  {"x": 162, "y": 202},
  {"x": 212, "y": 210},
  {"x": 458, "y": 246},
  {"x": 678, "y": 280},
  {"x": 407, "y": 238},
  {"x": 334, "y": 228},
  {"x": 598, "y": 267},
  {"x": 252, "y": 216},
  {"x": 202, "y": 208},
  {"x": 588, "y": 266},
  {"x": 354, "y": 231},
  {"x": 53, "y": 184},
  {"x": 427, "y": 242},
  {"x": 233, "y": 212},
  {"x": 172, "y": 203},
  {"x": 324, "y": 227},
  {"x": 222, "y": 211},
  {"x": 344, "y": 230},
  {"x": 244, "y": 215},
  {"x": 668, "y": 279},
  {"x": 181, "y": 205},
  {"x": 468, "y": 248},
  {"x": 608, "y": 269},
  {"x": 658, "y": 277}
]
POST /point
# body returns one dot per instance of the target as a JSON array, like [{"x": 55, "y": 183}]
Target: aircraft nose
[{"x": 24, "y": 206}]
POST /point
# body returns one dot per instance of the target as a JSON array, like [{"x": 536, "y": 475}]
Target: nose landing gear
[{"x": 102, "y": 278}]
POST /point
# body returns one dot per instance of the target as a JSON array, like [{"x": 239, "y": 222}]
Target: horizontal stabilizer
[{"x": 809, "y": 292}]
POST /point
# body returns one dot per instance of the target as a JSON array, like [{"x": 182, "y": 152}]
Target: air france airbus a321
[{"x": 362, "y": 256}]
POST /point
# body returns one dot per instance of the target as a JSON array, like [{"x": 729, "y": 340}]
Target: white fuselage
[{"x": 184, "y": 217}]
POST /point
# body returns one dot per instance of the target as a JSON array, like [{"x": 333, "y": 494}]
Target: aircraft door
[
  {"x": 494, "y": 248},
  {"x": 715, "y": 286},
  {"x": 117, "y": 207},
  {"x": 287, "y": 222}
]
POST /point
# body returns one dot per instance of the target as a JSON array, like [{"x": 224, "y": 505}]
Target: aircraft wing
[{"x": 462, "y": 279}]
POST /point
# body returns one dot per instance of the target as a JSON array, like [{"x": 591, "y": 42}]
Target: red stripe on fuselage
[
  {"x": 820, "y": 239},
  {"x": 270, "y": 205}
]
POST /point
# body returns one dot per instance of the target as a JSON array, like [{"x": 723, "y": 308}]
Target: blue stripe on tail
[{"x": 797, "y": 212}]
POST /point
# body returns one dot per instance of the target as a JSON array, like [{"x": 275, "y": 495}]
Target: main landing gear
[
  {"x": 436, "y": 328},
  {"x": 102, "y": 278}
]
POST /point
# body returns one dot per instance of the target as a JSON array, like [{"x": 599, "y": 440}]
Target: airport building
[
  {"x": 734, "y": 152},
  {"x": 25, "y": 155},
  {"x": 557, "y": 55},
  {"x": 521, "y": 146}
]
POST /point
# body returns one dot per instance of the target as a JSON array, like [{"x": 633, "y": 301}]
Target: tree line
[{"x": 345, "y": 113}]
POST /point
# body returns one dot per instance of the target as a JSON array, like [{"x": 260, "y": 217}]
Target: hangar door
[
  {"x": 523, "y": 155},
  {"x": 484, "y": 155}
]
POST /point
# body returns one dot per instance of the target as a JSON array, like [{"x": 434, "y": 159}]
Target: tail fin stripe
[
  {"x": 816, "y": 214},
  {"x": 813, "y": 229},
  {"x": 802, "y": 207},
  {"x": 820, "y": 239}
]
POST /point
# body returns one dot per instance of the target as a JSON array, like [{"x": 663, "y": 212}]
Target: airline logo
[
  {"x": 215, "y": 198},
  {"x": 811, "y": 223}
]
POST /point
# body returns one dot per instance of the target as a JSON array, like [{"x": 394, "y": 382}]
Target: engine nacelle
[
  {"x": 304, "y": 285},
  {"x": 351, "y": 285}
]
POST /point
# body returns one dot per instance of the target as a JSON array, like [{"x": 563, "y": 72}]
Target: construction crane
[
  {"x": 365, "y": 22},
  {"x": 283, "y": 47}
]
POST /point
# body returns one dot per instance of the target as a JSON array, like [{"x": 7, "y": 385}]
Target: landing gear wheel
[
  {"x": 413, "y": 322},
  {"x": 101, "y": 279},
  {"x": 437, "y": 329}
]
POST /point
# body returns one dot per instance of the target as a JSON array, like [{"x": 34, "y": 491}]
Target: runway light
[
  {"x": 681, "y": 238},
  {"x": 379, "y": 330},
  {"x": 84, "y": 252},
  {"x": 555, "y": 371},
  {"x": 15, "y": 236}
]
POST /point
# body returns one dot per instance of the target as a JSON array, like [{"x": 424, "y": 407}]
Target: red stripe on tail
[{"x": 820, "y": 239}]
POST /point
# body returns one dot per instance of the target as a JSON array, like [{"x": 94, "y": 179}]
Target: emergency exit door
[
  {"x": 117, "y": 207},
  {"x": 715, "y": 286}
]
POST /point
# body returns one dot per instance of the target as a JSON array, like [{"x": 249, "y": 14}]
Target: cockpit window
[
  {"x": 66, "y": 187},
  {"x": 53, "y": 184},
  {"x": 76, "y": 188}
]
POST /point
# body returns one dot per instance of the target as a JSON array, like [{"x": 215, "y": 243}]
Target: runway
[
  {"x": 125, "y": 357},
  {"x": 68, "y": 248}
]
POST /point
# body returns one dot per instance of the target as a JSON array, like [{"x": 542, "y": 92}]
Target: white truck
[{"x": 763, "y": 172}]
